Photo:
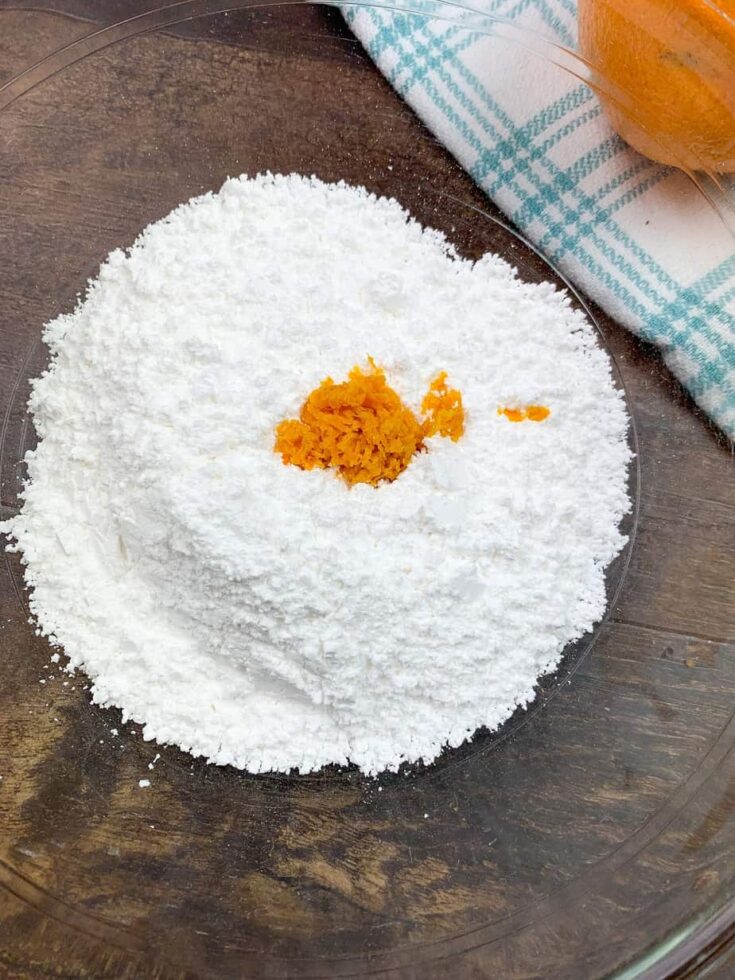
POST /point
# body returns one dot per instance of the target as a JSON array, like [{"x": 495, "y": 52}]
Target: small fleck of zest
[
  {"x": 443, "y": 409},
  {"x": 531, "y": 413},
  {"x": 361, "y": 428}
]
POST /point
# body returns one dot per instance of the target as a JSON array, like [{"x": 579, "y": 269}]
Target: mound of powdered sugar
[{"x": 272, "y": 618}]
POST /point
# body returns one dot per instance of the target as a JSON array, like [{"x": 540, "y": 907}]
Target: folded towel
[{"x": 637, "y": 237}]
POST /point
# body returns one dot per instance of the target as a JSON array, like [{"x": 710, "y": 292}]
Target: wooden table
[{"x": 589, "y": 830}]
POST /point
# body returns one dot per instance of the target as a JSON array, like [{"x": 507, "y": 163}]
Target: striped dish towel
[{"x": 637, "y": 237}]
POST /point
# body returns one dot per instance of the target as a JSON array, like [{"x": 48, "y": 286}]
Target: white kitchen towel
[{"x": 637, "y": 237}]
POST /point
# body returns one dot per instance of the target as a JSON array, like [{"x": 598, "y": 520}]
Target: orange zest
[
  {"x": 531, "y": 413},
  {"x": 444, "y": 410},
  {"x": 362, "y": 429}
]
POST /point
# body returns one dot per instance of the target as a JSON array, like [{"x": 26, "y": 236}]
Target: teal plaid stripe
[{"x": 572, "y": 210}]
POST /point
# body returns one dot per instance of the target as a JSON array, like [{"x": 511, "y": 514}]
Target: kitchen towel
[{"x": 637, "y": 237}]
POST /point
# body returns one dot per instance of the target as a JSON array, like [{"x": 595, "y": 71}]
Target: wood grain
[{"x": 591, "y": 829}]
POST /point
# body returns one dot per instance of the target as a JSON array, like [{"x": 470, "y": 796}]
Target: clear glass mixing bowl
[{"x": 592, "y": 836}]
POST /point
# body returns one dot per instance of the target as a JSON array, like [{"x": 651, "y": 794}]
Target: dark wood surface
[{"x": 593, "y": 830}]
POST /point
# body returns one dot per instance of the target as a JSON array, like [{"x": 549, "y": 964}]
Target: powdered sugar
[{"x": 272, "y": 618}]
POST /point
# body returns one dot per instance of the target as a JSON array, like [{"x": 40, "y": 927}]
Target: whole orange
[{"x": 669, "y": 70}]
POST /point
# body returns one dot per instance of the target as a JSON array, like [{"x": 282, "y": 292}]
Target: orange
[{"x": 666, "y": 76}]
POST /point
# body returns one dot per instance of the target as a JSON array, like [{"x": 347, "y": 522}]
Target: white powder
[{"x": 272, "y": 618}]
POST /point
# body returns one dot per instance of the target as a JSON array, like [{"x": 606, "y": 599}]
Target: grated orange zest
[
  {"x": 532, "y": 413},
  {"x": 444, "y": 410},
  {"x": 361, "y": 428}
]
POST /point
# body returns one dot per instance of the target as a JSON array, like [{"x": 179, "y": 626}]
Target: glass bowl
[{"x": 591, "y": 836}]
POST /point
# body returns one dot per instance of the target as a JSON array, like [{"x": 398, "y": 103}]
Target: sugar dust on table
[{"x": 311, "y": 488}]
